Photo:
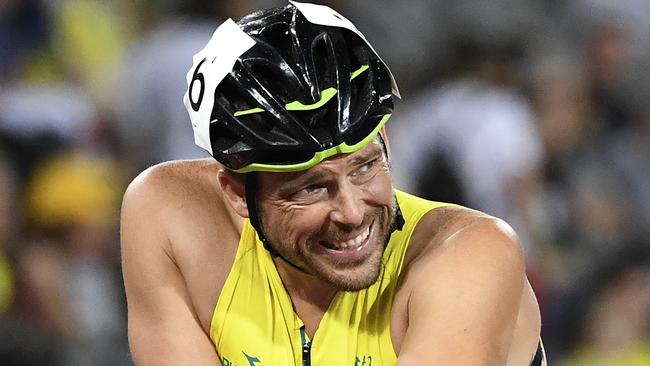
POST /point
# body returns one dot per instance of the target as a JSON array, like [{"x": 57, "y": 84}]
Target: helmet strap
[
  {"x": 251, "y": 188},
  {"x": 399, "y": 222}
]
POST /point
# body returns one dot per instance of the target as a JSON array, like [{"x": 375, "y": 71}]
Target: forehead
[{"x": 331, "y": 164}]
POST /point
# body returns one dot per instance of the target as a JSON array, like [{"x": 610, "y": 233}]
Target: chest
[{"x": 256, "y": 321}]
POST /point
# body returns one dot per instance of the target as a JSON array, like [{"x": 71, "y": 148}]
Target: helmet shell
[{"x": 301, "y": 92}]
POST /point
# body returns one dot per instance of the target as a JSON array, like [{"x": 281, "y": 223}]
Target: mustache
[{"x": 337, "y": 232}]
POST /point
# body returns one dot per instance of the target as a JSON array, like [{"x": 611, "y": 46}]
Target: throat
[
  {"x": 309, "y": 295},
  {"x": 310, "y": 314}
]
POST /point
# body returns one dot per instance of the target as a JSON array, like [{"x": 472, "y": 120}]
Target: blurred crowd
[{"x": 533, "y": 111}]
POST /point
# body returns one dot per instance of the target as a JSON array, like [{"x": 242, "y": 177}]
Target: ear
[
  {"x": 384, "y": 138},
  {"x": 234, "y": 191}
]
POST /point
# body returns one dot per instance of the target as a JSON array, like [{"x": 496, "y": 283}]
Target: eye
[
  {"x": 310, "y": 191},
  {"x": 366, "y": 167}
]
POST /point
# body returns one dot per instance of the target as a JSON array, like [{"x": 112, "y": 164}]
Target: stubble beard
[{"x": 349, "y": 277}]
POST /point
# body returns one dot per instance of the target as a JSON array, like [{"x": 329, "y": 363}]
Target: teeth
[{"x": 355, "y": 242}]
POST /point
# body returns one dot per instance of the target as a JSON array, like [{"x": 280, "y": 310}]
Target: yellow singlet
[{"x": 254, "y": 323}]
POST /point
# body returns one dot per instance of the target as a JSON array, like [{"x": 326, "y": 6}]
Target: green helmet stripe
[
  {"x": 325, "y": 97},
  {"x": 248, "y": 111},
  {"x": 359, "y": 71},
  {"x": 319, "y": 156}
]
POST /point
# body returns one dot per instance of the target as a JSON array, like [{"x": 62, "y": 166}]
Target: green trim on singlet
[{"x": 319, "y": 156}]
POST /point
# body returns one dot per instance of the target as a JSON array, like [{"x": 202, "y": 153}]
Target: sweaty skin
[{"x": 463, "y": 297}]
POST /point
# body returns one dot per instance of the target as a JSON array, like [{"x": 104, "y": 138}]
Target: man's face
[{"x": 333, "y": 221}]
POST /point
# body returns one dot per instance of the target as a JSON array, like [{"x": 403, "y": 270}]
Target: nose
[{"x": 347, "y": 207}]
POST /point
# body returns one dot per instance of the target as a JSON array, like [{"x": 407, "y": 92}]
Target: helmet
[{"x": 292, "y": 86}]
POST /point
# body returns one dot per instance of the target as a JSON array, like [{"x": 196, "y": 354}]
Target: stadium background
[{"x": 534, "y": 111}]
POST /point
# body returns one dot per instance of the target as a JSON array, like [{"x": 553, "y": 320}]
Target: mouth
[{"x": 354, "y": 244}]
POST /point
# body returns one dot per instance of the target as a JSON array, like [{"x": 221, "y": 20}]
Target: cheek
[
  {"x": 380, "y": 190},
  {"x": 295, "y": 224}
]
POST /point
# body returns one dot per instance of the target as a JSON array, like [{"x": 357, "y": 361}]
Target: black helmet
[{"x": 302, "y": 91}]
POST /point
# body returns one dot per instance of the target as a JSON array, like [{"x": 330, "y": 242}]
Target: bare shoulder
[
  {"x": 464, "y": 288},
  {"x": 174, "y": 199},
  {"x": 460, "y": 249},
  {"x": 181, "y": 179},
  {"x": 466, "y": 236},
  {"x": 175, "y": 240}
]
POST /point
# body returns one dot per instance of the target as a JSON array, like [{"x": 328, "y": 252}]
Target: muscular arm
[
  {"x": 163, "y": 327},
  {"x": 465, "y": 298}
]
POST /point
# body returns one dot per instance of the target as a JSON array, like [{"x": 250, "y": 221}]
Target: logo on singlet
[
  {"x": 365, "y": 360},
  {"x": 252, "y": 360}
]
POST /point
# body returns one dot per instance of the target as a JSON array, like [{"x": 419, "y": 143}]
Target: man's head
[{"x": 297, "y": 94}]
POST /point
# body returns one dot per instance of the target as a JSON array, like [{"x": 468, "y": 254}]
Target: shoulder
[
  {"x": 463, "y": 286},
  {"x": 169, "y": 199},
  {"x": 175, "y": 251},
  {"x": 172, "y": 188},
  {"x": 181, "y": 178},
  {"x": 461, "y": 239}
]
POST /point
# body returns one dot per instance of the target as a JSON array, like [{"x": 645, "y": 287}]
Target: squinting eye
[
  {"x": 312, "y": 188},
  {"x": 365, "y": 168},
  {"x": 310, "y": 191}
]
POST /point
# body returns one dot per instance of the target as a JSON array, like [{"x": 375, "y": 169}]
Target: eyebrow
[
  {"x": 307, "y": 178},
  {"x": 366, "y": 156},
  {"x": 313, "y": 175}
]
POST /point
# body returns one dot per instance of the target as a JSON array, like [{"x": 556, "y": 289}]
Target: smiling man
[{"x": 294, "y": 248}]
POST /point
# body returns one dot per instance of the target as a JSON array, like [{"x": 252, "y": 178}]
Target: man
[{"x": 294, "y": 248}]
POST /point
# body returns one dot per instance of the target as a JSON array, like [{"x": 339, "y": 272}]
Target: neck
[
  {"x": 310, "y": 296},
  {"x": 303, "y": 288}
]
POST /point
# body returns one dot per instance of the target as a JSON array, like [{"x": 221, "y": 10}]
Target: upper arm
[
  {"x": 465, "y": 298},
  {"x": 163, "y": 326}
]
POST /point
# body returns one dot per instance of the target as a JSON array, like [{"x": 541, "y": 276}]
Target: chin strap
[
  {"x": 251, "y": 188},
  {"x": 399, "y": 222}
]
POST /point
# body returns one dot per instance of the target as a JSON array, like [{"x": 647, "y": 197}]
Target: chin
[
  {"x": 356, "y": 283},
  {"x": 351, "y": 277}
]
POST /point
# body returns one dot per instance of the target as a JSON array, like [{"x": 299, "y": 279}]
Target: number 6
[{"x": 197, "y": 76}]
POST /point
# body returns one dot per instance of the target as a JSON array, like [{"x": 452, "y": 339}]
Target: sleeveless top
[{"x": 254, "y": 323}]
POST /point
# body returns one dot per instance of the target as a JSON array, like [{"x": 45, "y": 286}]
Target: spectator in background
[
  {"x": 479, "y": 134},
  {"x": 615, "y": 327},
  {"x": 68, "y": 262},
  {"x": 8, "y": 191},
  {"x": 589, "y": 205},
  {"x": 23, "y": 342},
  {"x": 24, "y": 27},
  {"x": 630, "y": 153},
  {"x": 608, "y": 61}
]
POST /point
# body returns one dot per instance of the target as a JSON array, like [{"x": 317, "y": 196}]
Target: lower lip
[{"x": 353, "y": 254}]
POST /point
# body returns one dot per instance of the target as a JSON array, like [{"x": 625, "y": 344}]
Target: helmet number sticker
[
  {"x": 210, "y": 66},
  {"x": 197, "y": 77}
]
